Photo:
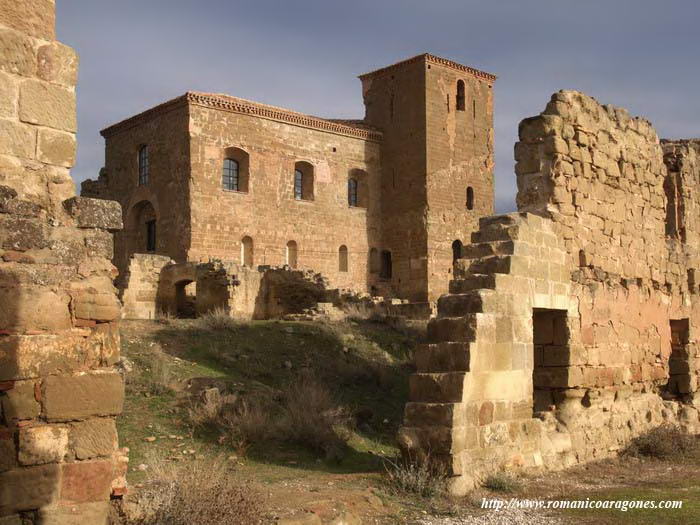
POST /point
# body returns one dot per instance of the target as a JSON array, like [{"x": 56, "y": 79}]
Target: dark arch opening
[
  {"x": 456, "y": 250},
  {"x": 461, "y": 97},
  {"x": 470, "y": 198}
]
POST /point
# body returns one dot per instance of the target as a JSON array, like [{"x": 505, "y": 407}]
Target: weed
[
  {"x": 663, "y": 442},
  {"x": 218, "y": 320},
  {"x": 502, "y": 482},
  {"x": 421, "y": 476},
  {"x": 194, "y": 492}
]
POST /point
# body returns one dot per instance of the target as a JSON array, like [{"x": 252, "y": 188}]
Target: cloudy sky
[{"x": 306, "y": 54}]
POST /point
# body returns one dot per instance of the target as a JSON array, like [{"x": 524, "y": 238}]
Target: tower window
[
  {"x": 143, "y": 166},
  {"x": 298, "y": 184},
  {"x": 456, "y": 250},
  {"x": 151, "y": 235},
  {"x": 247, "y": 251},
  {"x": 291, "y": 256},
  {"x": 352, "y": 192},
  {"x": 385, "y": 271},
  {"x": 343, "y": 258},
  {"x": 460, "y": 95},
  {"x": 230, "y": 180},
  {"x": 470, "y": 198}
]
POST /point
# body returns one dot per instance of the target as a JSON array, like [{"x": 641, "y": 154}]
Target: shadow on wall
[{"x": 24, "y": 485}]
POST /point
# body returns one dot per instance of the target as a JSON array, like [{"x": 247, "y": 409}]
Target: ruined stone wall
[
  {"x": 268, "y": 212},
  {"x": 59, "y": 342},
  {"x": 571, "y": 329},
  {"x": 142, "y": 283},
  {"x": 165, "y": 197}
]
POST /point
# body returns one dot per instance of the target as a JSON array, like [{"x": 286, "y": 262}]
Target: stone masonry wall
[
  {"x": 59, "y": 342},
  {"x": 570, "y": 328}
]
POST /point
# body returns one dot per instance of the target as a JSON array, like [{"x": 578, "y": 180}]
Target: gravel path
[{"x": 502, "y": 517}]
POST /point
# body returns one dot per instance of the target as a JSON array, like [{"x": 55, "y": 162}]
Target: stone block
[
  {"x": 95, "y": 213},
  {"x": 56, "y": 147},
  {"x": 9, "y": 95},
  {"x": 17, "y": 53},
  {"x": 8, "y": 452},
  {"x": 36, "y": 18},
  {"x": 47, "y": 105},
  {"x": 22, "y": 233},
  {"x": 442, "y": 357},
  {"x": 93, "y": 438},
  {"x": 58, "y": 63},
  {"x": 17, "y": 139},
  {"x": 29, "y": 488},
  {"x": 14, "y": 519},
  {"x": 35, "y": 309},
  {"x": 42, "y": 444},
  {"x": 20, "y": 402},
  {"x": 93, "y": 305},
  {"x": 87, "y": 481},
  {"x": 82, "y": 396},
  {"x": 63, "y": 514},
  {"x": 437, "y": 388}
]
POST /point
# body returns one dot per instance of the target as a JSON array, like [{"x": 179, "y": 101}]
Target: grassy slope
[{"x": 364, "y": 365}]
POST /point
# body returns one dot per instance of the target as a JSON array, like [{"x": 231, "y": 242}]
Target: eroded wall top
[{"x": 599, "y": 173}]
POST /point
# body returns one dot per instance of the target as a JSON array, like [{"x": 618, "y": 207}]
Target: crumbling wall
[
  {"x": 570, "y": 329},
  {"x": 141, "y": 284},
  {"x": 59, "y": 342}
]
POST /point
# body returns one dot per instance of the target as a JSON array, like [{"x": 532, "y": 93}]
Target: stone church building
[{"x": 380, "y": 205}]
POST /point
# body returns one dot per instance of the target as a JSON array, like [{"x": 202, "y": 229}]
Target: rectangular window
[
  {"x": 151, "y": 235},
  {"x": 143, "y": 166},
  {"x": 230, "y": 175},
  {"x": 298, "y": 185}
]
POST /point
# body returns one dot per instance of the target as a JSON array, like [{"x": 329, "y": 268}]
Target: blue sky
[{"x": 306, "y": 55}]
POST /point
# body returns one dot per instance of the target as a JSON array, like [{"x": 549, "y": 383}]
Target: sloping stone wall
[{"x": 59, "y": 391}]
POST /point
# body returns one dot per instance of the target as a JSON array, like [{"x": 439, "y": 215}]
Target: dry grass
[
  {"x": 411, "y": 475},
  {"x": 305, "y": 414},
  {"x": 662, "y": 442},
  {"x": 194, "y": 492},
  {"x": 502, "y": 482},
  {"x": 218, "y": 320}
]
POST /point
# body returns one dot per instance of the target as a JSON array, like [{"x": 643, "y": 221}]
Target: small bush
[
  {"x": 218, "y": 320},
  {"x": 311, "y": 418},
  {"x": 248, "y": 423},
  {"x": 662, "y": 442},
  {"x": 161, "y": 373},
  {"x": 502, "y": 482},
  {"x": 362, "y": 312},
  {"x": 208, "y": 411},
  {"x": 423, "y": 477},
  {"x": 194, "y": 492}
]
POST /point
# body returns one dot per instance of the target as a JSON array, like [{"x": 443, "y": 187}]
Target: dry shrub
[
  {"x": 207, "y": 411},
  {"x": 412, "y": 475},
  {"x": 161, "y": 372},
  {"x": 248, "y": 423},
  {"x": 218, "y": 320},
  {"x": 502, "y": 482},
  {"x": 311, "y": 418},
  {"x": 663, "y": 442},
  {"x": 201, "y": 491},
  {"x": 362, "y": 312}
]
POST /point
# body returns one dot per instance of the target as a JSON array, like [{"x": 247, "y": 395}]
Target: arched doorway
[
  {"x": 456, "y": 250},
  {"x": 141, "y": 230}
]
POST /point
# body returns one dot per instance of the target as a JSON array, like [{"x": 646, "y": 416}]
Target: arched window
[
  {"x": 247, "y": 251},
  {"x": 456, "y": 250},
  {"x": 343, "y": 258},
  {"x": 143, "y": 165},
  {"x": 374, "y": 260},
  {"x": 234, "y": 176},
  {"x": 230, "y": 176},
  {"x": 470, "y": 198},
  {"x": 461, "y": 97},
  {"x": 386, "y": 270},
  {"x": 352, "y": 192},
  {"x": 303, "y": 181},
  {"x": 291, "y": 255}
]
